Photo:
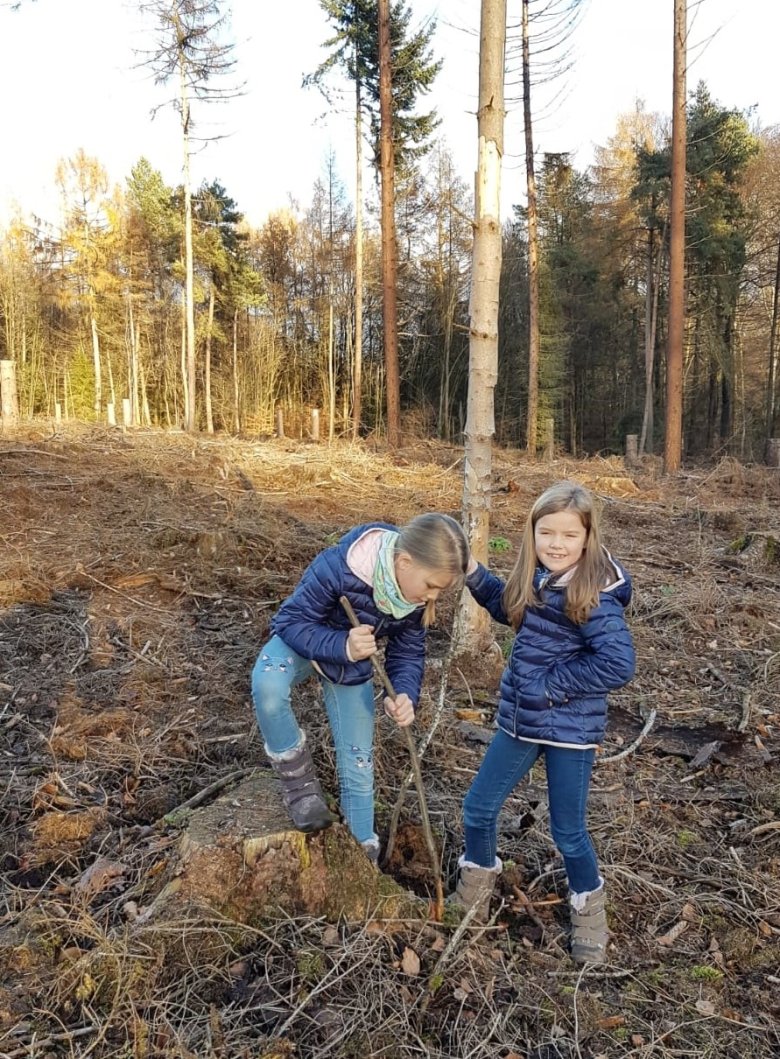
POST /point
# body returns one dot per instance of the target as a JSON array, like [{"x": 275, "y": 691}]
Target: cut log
[{"x": 241, "y": 858}]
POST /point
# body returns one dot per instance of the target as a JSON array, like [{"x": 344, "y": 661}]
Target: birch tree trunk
[
  {"x": 189, "y": 284},
  {"x": 236, "y": 404},
  {"x": 96, "y": 364},
  {"x": 207, "y": 366},
  {"x": 473, "y": 626},
  {"x": 646, "y": 440},
  {"x": 534, "y": 338}
]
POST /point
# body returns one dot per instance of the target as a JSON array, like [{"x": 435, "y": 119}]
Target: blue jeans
[
  {"x": 505, "y": 763},
  {"x": 350, "y": 712}
]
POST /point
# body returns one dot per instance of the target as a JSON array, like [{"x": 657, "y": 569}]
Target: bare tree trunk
[
  {"x": 771, "y": 383},
  {"x": 207, "y": 366},
  {"x": 9, "y": 399},
  {"x": 184, "y": 379},
  {"x": 96, "y": 364},
  {"x": 646, "y": 441},
  {"x": 534, "y": 341},
  {"x": 236, "y": 407},
  {"x": 331, "y": 370},
  {"x": 674, "y": 354},
  {"x": 111, "y": 389},
  {"x": 389, "y": 246},
  {"x": 133, "y": 373},
  {"x": 189, "y": 268},
  {"x": 473, "y": 626},
  {"x": 357, "y": 376}
]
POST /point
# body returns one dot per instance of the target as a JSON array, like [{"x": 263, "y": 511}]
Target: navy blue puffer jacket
[
  {"x": 554, "y": 688},
  {"x": 312, "y": 622}
]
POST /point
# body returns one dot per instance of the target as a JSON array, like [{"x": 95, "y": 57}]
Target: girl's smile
[{"x": 560, "y": 540}]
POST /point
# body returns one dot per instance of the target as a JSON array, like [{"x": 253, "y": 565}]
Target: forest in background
[{"x": 92, "y": 303}]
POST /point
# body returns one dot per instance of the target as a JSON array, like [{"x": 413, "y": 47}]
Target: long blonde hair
[
  {"x": 438, "y": 543},
  {"x": 591, "y": 573}
]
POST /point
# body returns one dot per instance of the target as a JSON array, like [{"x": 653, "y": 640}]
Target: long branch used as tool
[{"x": 379, "y": 669}]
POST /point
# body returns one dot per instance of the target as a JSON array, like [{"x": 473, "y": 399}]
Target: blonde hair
[
  {"x": 591, "y": 573},
  {"x": 436, "y": 542}
]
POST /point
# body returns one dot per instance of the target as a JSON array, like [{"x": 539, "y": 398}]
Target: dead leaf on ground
[
  {"x": 99, "y": 876},
  {"x": 410, "y": 962},
  {"x": 705, "y": 1007},
  {"x": 672, "y": 935},
  {"x": 611, "y": 1022}
]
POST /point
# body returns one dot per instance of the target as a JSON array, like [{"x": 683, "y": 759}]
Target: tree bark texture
[
  {"x": 357, "y": 374},
  {"x": 771, "y": 384},
  {"x": 189, "y": 268},
  {"x": 674, "y": 352},
  {"x": 473, "y": 622},
  {"x": 8, "y": 393},
  {"x": 389, "y": 245},
  {"x": 534, "y": 338}
]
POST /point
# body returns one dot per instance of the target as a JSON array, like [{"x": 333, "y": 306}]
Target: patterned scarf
[{"x": 387, "y": 594}]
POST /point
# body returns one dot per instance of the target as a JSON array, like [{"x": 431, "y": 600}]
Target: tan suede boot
[
  {"x": 589, "y": 934},
  {"x": 475, "y": 888}
]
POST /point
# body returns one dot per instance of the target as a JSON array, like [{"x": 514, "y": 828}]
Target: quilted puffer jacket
[
  {"x": 312, "y": 622},
  {"x": 554, "y": 688}
]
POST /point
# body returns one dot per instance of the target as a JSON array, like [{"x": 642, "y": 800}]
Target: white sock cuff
[
  {"x": 578, "y": 900},
  {"x": 286, "y": 755},
  {"x": 463, "y": 863}
]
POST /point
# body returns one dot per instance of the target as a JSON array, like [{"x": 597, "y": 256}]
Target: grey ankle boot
[
  {"x": 371, "y": 849},
  {"x": 589, "y": 934},
  {"x": 301, "y": 790},
  {"x": 475, "y": 887}
]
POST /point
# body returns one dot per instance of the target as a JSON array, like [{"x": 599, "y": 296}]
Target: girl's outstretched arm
[
  {"x": 607, "y": 662},
  {"x": 488, "y": 591}
]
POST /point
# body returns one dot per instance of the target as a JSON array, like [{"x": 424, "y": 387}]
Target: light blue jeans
[
  {"x": 505, "y": 763},
  {"x": 350, "y": 712}
]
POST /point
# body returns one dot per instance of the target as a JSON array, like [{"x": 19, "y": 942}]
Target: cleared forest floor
[{"x": 138, "y": 574}]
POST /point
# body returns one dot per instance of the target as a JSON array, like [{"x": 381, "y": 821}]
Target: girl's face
[
  {"x": 418, "y": 584},
  {"x": 560, "y": 540}
]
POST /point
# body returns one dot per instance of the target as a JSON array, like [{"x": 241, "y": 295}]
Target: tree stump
[
  {"x": 9, "y": 399},
  {"x": 241, "y": 858},
  {"x": 632, "y": 443}
]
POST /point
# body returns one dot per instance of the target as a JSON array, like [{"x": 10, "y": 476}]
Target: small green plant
[
  {"x": 498, "y": 544},
  {"x": 311, "y": 965},
  {"x": 436, "y": 982},
  {"x": 686, "y": 838},
  {"x": 332, "y": 538},
  {"x": 705, "y": 973}
]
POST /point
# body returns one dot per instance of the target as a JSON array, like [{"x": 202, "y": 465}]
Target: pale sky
[{"x": 67, "y": 81}]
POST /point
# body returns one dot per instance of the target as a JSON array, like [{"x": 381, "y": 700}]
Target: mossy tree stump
[{"x": 241, "y": 857}]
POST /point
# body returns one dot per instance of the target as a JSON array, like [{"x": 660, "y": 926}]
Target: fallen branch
[
  {"x": 70, "y": 1035},
  {"x": 632, "y": 746},
  {"x": 201, "y": 796}
]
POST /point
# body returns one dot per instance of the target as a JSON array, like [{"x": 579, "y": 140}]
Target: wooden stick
[{"x": 379, "y": 669}]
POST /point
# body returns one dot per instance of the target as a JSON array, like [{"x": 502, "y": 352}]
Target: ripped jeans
[{"x": 350, "y": 712}]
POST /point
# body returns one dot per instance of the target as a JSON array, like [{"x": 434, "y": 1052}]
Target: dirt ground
[{"x": 138, "y": 574}]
